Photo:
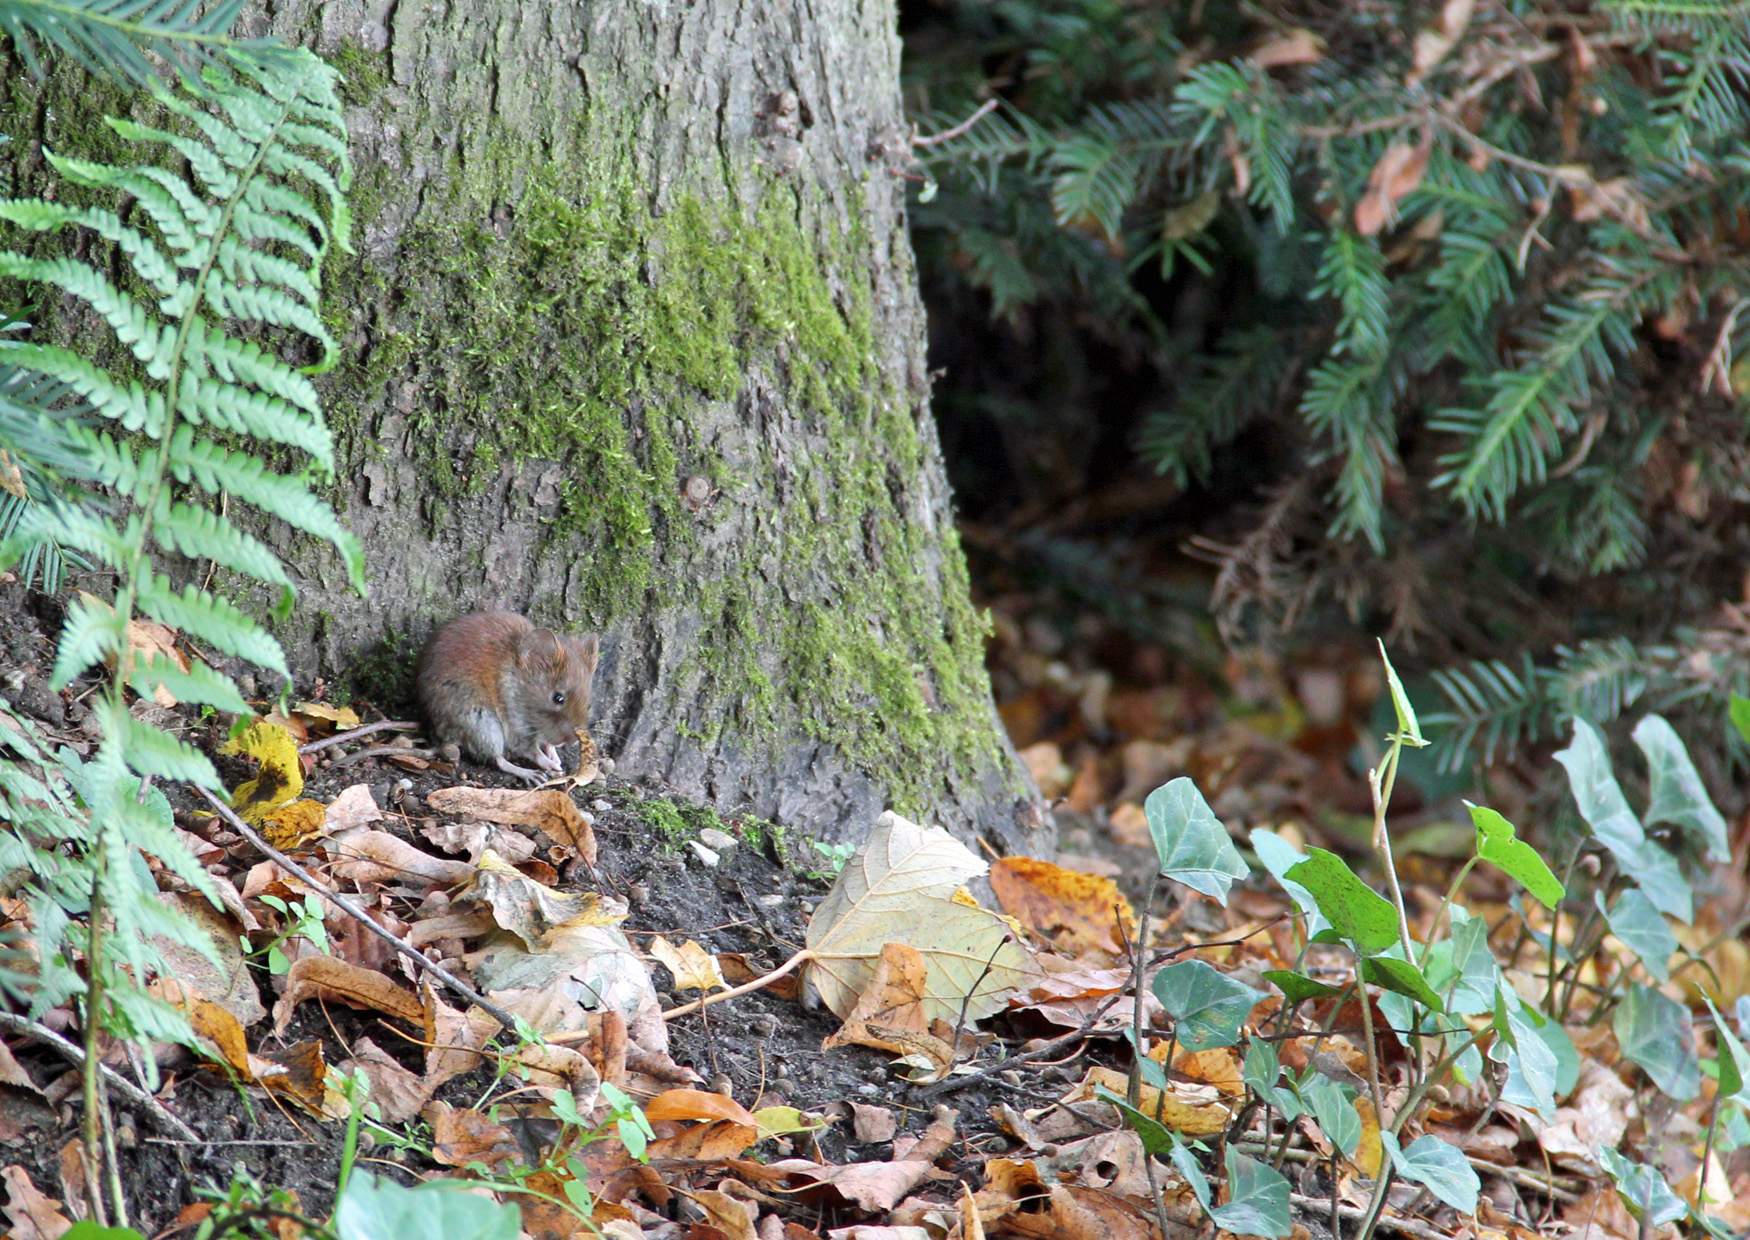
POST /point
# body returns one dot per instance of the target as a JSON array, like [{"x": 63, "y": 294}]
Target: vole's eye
[{"x": 559, "y": 699}]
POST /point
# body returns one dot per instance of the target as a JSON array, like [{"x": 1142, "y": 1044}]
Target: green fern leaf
[
  {"x": 212, "y": 620},
  {"x": 91, "y": 633},
  {"x": 198, "y": 683},
  {"x": 150, "y": 341},
  {"x": 152, "y": 751},
  {"x": 128, "y": 403},
  {"x": 198, "y": 533}
]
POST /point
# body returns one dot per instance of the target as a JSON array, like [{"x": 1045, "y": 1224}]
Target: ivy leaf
[
  {"x": 1335, "y": 1112},
  {"x": 1655, "y": 1032},
  {"x": 1403, "y": 977},
  {"x": 1439, "y": 1167},
  {"x": 1463, "y": 968},
  {"x": 1675, "y": 793},
  {"x": 1257, "y": 1199},
  {"x": 1635, "y": 921},
  {"x": 1191, "y": 845},
  {"x": 1531, "y": 1064},
  {"x": 1601, "y": 803},
  {"x": 1643, "y": 1189},
  {"x": 1357, "y": 912},
  {"x": 1156, "y": 1137},
  {"x": 1408, "y": 728},
  {"x": 380, "y": 1207},
  {"x": 1734, "y": 1061},
  {"x": 1208, "y": 1005},
  {"x": 1262, "y": 1073},
  {"x": 1739, "y": 713},
  {"x": 1279, "y": 857},
  {"x": 1297, "y": 987},
  {"x": 1500, "y": 846}
]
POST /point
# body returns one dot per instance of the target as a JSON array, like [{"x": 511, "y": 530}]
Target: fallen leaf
[
  {"x": 693, "y": 967},
  {"x": 550, "y": 812},
  {"x": 1298, "y": 46},
  {"x": 148, "y": 639},
  {"x": 1196, "y": 1110},
  {"x": 280, "y": 777},
  {"x": 1435, "y": 41},
  {"x": 899, "y": 888},
  {"x": 1076, "y": 913},
  {"x": 331, "y": 980},
  {"x": 32, "y": 1215}
]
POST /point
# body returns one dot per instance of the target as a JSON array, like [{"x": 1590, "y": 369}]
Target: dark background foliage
[{"x": 1419, "y": 319}]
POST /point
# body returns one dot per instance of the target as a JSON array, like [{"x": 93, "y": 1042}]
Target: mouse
[{"x": 498, "y": 687}]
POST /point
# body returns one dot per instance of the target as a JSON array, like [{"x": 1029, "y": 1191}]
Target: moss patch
[{"x": 572, "y": 323}]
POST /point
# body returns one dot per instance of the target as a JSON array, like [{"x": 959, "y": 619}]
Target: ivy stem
[{"x": 94, "y": 1001}]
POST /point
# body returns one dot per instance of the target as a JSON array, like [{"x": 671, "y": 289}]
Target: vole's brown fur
[{"x": 496, "y": 685}]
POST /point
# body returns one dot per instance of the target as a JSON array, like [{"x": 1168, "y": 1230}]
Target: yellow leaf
[
  {"x": 281, "y": 777},
  {"x": 693, "y": 967}
]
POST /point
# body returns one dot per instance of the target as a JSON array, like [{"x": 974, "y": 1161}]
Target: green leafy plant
[
  {"x": 224, "y": 270},
  {"x": 303, "y": 920},
  {"x": 1446, "y": 998}
]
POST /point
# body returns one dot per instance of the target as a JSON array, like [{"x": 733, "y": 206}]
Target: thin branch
[
  {"x": 948, "y": 135},
  {"x": 155, "y": 1113},
  {"x": 341, "y": 738},
  {"x": 347, "y": 906}
]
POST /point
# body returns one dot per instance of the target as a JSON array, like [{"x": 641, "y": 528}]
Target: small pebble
[
  {"x": 721, "y": 1084},
  {"x": 868, "y": 1089},
  {"x": 763, "y": 1026},
  {"x": 601, "y": 805},
  {"x": 1011, "y": 1076},
  {"x": 705, "y": 855},
  {"x": 638, "y": 895},
  {"x": 606, "y": 765},
  {"x": 771, "y": 900},
  {"x": 783, "y": 1086},
  {"x": 721, "y": 841}
]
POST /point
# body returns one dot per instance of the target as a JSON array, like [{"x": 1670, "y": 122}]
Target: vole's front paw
[{"x": 521, "y": 772}]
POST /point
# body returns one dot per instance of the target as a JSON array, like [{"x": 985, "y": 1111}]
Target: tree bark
[{"x": 634, "y": 344}]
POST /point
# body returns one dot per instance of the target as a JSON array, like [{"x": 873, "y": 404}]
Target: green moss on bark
[{"x": 578, "y": 325}]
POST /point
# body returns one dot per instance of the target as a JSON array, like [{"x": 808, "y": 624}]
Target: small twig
[
  {"x": 154, "y": 1110},
  {"x": 948, "y": 135},
  {"x": 1042, "y": 1051},
  {"x": 341, "y": 738},
  {"x": 380, "y": 751},
  {"x": 347, "y": 906},
  {"x": 966, "y": 1002},
  {"x": 746, "y": 988},
  {"x": 1396, "y": 1222},
  {"x": 1719, "y": 358}
]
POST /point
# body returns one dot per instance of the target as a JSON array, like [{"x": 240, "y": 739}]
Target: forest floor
[{"x": 757, "y": 1128}]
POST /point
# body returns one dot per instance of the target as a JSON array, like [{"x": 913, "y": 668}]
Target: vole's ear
[
  {"x": 536, "y": 645},
  {"x": 587, "y": 650}
]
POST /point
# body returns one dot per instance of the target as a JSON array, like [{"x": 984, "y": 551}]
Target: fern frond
[
  {"x": 153, "y": 751},
  {"x": 91, "y": 633},
  {"x": 218, "y": 623},
  {"x": 197, "y": 533},
  {"x": 198, "y": 683},
  {"x": 1352, "y": 272},
  {"x": 117, "y": 37}
]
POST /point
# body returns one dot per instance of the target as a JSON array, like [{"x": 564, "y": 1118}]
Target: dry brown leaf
[
  {"x": 32, "y": 1215},
  {"x": 365, "y": 856},
  {"x": 871, "y": 1186},
  {"x": 1075, "y": 913},
  {"x": 148, "y": 639},
  {"x": 461, "y": 1135},
  {"x": 1044, "y": 762},
  {"x": 530, "y": 910},
  {"x": 1595, "y": 1119},
  {"x": 732, "y": 1217},
  {"x": 397, "y": 1093},
  {"x": 11, "y": 476},
  {"x": 550, "y": 812},
  {"x": 693, "y": 967},
  {"x": 221, "y": 973},
  {"x": 353, "y": 807},
  {"x": 453, "y": 1039},
  {"x": 899, "y": 888},
  {"x": 1369, "y": 1152},
  {"x": 677, "y": 1105},
  {"x": 705, "y": 1142},
  {"x": 1196, "y": 1110},
  {"x": 1397, "y": 173},
  {"x": 331, "y": 980},
  {"x": 300, "y": 1074},
  {"x": 893, "y": 1000},
  {"x": 341, "y": 718},
  {"x": 1435, "y": 41},
  {"x": 1298, "y": 46}
]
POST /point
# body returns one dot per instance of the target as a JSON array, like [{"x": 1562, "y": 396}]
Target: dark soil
[{"x": 763, "y": 1050}]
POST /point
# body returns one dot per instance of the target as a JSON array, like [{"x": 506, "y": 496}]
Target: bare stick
[
  {"x": 159, "y": 1118},
  {"x": 341, "y": 738},
  {"x": 948, "y": 135},
  {"x": 352, "y": 910},
  {"x": 1038, "y": 1052},
  {"x": 746, "y": 988}
]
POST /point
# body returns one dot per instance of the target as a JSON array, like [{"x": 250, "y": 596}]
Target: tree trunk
[{"x": 634, "y": 344}]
